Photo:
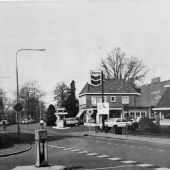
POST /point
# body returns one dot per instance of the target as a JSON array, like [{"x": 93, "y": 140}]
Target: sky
[{"x": 76, "y": 35}]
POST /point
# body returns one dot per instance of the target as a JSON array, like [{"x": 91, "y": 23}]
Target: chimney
[
  {"x": 155, "y": 80},
  {"x": 131, "y": 81}
]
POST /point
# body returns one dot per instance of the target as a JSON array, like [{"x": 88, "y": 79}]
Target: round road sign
[{"x": 18, "y": 107}]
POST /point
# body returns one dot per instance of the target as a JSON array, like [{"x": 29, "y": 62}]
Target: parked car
[
  {"x": 119, "y": 122},
  {"x": 4, "y": 121},
  {"x": 72, "y": 121},
  {"x": 25, "y": 121}
]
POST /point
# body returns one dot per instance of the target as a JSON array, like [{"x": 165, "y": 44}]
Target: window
[
  {"x": 113, "y": 98},
  {"x": 132, "y": 114},
  {"x": 137, "y": 114},
  {"x": 142, "y": 114},
  {"x": 125, "y": 99},
  {"x": 95, "y": 100}
]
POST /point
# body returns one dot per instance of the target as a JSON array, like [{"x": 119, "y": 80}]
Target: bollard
[{"x": 41, "y": 148}]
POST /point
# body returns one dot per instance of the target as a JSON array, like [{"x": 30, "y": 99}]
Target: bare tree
[
  {"x": 61, "y": 94},
  {"x": 118, "y": 66}
]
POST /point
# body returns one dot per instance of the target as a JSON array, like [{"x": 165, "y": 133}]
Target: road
[{"x": 87, "y": 152}]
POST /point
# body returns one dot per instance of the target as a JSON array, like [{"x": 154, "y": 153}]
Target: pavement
[{"x": 19, "y": 148}]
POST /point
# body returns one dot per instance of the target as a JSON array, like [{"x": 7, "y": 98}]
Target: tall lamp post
[{"x": 17, "y": 81}]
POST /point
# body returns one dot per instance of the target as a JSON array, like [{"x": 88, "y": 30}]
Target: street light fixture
[{"x": 17, "y": 81}]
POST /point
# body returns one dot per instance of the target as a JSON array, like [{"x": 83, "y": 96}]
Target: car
[
  {"x": 25, "y": 121},
  {"x": 119, "y": 122},
  {"x": 4, "y": 121},
  {"x": 153, "y": 120},
  {"x": 72, "y": 121}
]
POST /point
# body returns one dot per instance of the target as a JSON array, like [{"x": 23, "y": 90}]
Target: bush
[{"x": 147, "y": 126}]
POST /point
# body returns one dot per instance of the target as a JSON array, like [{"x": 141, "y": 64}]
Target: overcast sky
[{"x": 76, "y": 35}]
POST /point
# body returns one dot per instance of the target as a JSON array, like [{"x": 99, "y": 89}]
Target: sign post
[
  {"x": 125, "y": 103},
  {"x": 18, "y": 108},
  {"x": 89, "y": 113}
]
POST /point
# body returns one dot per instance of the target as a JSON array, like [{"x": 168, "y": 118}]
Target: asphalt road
[{"x": 77, "y": 152}]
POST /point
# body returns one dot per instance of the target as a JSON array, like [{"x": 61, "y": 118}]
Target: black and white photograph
[{"x": 85, "y": 85}]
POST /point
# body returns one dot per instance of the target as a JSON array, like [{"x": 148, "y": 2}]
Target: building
[
  {"x": 151, "y": 100},
  {"x": 115, "y": 91}
]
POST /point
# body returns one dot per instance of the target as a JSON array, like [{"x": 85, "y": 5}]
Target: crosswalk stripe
[
  {"x": 75, "y": 150},
  {"x": 161, "y": 168},
  {"x": 144, "y": 165},
  {"x": 115, "y": 159},
  {"x": 128, "y": 162},
  {"x": 103, "y": 156},
  {"x": 83, "y": 152},
  {"x": 92, "y": 154}
]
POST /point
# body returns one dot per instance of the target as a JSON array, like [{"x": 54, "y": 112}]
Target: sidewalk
[{"x": 124, "y": 137}]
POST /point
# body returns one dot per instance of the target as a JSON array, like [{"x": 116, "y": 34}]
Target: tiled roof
[
  {"x": 165, "y": 99},
  {"x": 151, "y": 94},
  {"x": 110, "y": 86}
]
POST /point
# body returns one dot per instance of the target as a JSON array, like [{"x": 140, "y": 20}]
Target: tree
[
  {"x": 61, "y": 94},
  {"x": 30, "y": 94},
  {"x": 118, "y": 66},
  {"x": 71, "y": 103},
  {"x": 50, "y": 116}
]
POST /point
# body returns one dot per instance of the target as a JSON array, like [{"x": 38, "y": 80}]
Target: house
[
  {"x": 155, "y": 99},
  {"x": 115, "y": 91}
]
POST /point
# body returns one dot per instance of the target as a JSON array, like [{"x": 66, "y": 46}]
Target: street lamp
[{"x": 17, "y": 81}]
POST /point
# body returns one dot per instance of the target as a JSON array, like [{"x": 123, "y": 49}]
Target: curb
[
  {"x": 123, "y": 138},
  {"x": 18, "y": 152}
]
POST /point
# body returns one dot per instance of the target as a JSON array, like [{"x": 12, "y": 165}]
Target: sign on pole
[
  {"x": 103, "y": 108},
  {"x": 18, "y": 107},
  {"x": 95, "y": 78},
  {"x": 90, "y": 112}
]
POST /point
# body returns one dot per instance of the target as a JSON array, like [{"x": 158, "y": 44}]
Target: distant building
[
  {"x": 149, "y": 100},
  {"x": 115, "y": 91}
]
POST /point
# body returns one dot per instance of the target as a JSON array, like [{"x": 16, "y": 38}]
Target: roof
[
  {"x": 164, "y": 102},
  {"x": 110, "y": 86},
  {"x": 151, "y": 94}
]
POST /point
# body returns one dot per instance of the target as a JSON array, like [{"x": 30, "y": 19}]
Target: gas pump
[{"x": 41, "y": 148}]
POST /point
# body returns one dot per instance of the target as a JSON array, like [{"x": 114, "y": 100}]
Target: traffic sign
[
  {"x": 18, "y": 107},
  {"x": 90, "y": 112}
]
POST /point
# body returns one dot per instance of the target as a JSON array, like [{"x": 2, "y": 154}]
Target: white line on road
[
  {"x": 103, "y": 156},
  {"x": 128, "y": 162},
  {"x": 83, "y": 152},
  {"x": 114, "y": 159},
  {"x": 75, "y": 150},
  {"x": 144, "y": 165},
  {"x": 161, "y": 168},
  {"x": 92, "y": 154},
  {"x": 114, "y": 167}
]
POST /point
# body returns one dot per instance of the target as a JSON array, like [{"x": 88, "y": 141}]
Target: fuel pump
[{"x": 41, "y": 148}]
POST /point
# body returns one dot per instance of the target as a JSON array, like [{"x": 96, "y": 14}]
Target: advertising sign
[
  {"x": 95, "y": 78},
  {"x": 103, "y": 108}
]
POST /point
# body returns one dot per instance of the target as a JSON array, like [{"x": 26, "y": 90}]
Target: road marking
[
  {"x": 92, "y": 154},
  {"x": 53, "y": 146},
  {"x": 61, "y": 147},
  {"x": 75, "y": 150},
  {"x": 128, "y": 162},
  {"x": 66, "y": 149},
  {"x": 114, "y": 167},
  {"x": 161, "y": 150},
  {"x": 83, "y": 152},
  {"x": 103, "y": 156},
  {"x": 161, "y": 168},
  {"x": 144, "y": 165},
  {"x": 114, "y": 159},
  {"x": 132, "y": 146}
]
